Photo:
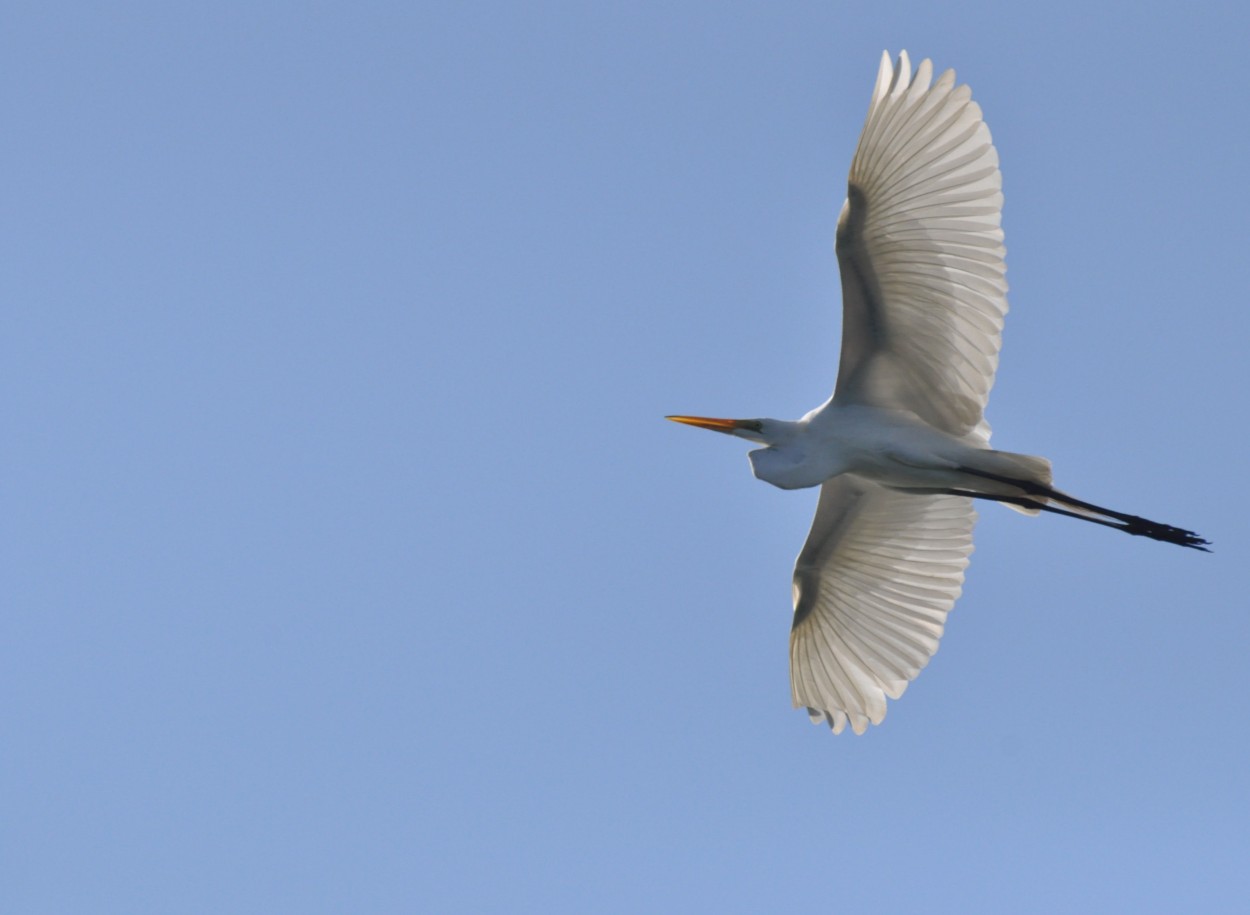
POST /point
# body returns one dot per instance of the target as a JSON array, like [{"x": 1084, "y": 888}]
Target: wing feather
[
  {"x": 872, "y": 587},
  {"x": 921, "y": 254}
]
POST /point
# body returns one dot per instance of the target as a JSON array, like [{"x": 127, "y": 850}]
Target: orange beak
[{"x": 716, "y": 425}]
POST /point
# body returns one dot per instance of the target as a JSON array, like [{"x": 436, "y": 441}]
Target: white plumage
[{"x": 902, "y": 448}]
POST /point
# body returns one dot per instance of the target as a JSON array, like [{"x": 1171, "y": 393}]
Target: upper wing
[
  {"x": 872, "y": 587},
  {"x": 921, "y": 254}
]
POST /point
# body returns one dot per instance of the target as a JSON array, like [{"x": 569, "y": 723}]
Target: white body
[{"x": 892, "y": 447}]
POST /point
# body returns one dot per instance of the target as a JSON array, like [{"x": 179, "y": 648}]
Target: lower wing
[{"x": 872, "y": 586}]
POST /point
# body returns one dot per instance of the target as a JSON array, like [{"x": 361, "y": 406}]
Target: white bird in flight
[{"x": 901, "y": 449}]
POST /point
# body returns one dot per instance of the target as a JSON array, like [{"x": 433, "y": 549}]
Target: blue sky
[{"x": 351, "y": 566}]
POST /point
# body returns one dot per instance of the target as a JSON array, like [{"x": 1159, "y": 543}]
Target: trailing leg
[{"x": 1044, "y": 496}]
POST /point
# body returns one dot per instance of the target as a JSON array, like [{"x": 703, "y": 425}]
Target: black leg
[{"x": 1130, "y": 524}]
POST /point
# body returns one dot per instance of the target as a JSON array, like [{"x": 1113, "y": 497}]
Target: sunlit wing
[
  {"x": 921, "y": 254},
  {"x": 872, "y": 587}
]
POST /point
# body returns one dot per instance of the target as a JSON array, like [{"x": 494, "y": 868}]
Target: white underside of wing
[
  {"x": 921, "y": 254},
  {"x": 872, "y": 587}
]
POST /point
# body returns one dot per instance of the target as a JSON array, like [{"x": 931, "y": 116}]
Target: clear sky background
[{"x": 351, "y": 567}]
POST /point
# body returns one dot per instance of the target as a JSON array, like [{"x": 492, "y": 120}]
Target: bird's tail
[{"x": 1029, "y": 475}]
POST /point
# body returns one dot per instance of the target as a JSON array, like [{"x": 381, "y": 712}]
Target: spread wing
[
  {"x": 872, "y": 587},
  {"x": 921, "y": 254}
]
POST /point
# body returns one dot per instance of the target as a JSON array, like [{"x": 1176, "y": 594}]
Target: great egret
[{"x": 901, "y": 449}]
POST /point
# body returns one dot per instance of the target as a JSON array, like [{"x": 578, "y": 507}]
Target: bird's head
[{"x": 782, "y": 462}]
